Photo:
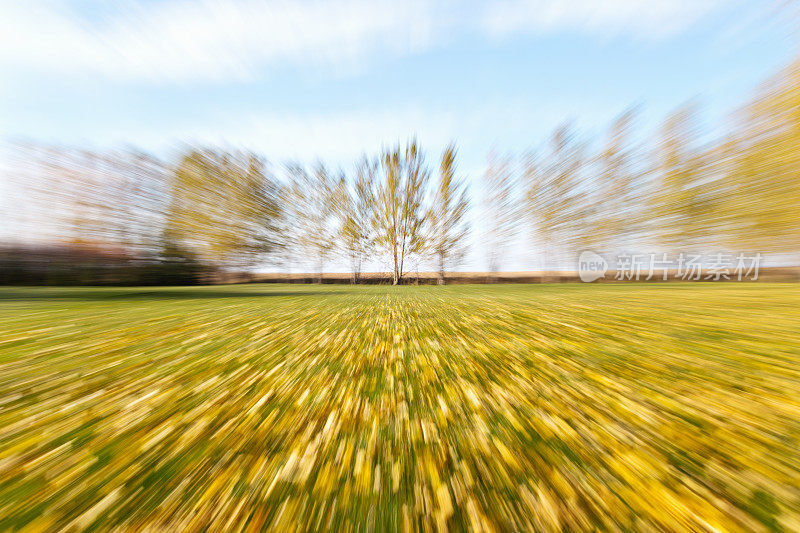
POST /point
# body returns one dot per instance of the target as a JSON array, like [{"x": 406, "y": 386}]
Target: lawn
[{"x": 496, "y": 407}]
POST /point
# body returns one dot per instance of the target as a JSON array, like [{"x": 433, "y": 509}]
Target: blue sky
[{"x": 328, "y": 79}]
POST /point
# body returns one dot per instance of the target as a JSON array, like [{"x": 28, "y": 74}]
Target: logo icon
[{"x": 591, "y": 266}]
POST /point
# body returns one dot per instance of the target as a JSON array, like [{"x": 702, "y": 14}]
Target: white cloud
[{"x": 182, "y": 40}]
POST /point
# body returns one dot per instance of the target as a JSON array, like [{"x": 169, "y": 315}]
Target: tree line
[{"x": 225, "y": 209}]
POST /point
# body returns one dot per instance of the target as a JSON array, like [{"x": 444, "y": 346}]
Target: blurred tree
[
  {"x": 615, "y": 215},
  {"x": 223, "y": 207},
  {"x": 683, "y": 198},
  {"x": 558, "y": 198},
  {"x": 447, "y": 215},
  {"x": 356, "y": 210},
  {"x": 501, "y": 207},
  {"x": 762, "y": 193},
  {"x": 112, "y": 199},
  {"x": 314, "y": 197},
  {"x": 139, "y": 187},
  {"x": 399, "y": 211},
  {"x": 290, "y": 224}
]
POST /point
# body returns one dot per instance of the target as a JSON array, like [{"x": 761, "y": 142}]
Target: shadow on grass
[{"x": 96, "y": 294}]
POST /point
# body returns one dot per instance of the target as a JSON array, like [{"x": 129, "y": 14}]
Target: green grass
[{"x": 505, "y": 407}]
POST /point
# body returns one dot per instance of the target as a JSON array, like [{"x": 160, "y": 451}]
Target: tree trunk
[
  {"x": 402, "y": 257},
  {"x": 395, "y": 277},
  {"x": 356, "y": 270}
]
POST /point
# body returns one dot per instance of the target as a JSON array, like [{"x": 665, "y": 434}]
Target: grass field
[{"x": 505, "y": 407}]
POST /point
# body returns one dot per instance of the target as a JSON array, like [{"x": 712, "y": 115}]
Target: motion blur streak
[
  {"x": 490, "y": 407},
  {"x": 137, "y": 219}
]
